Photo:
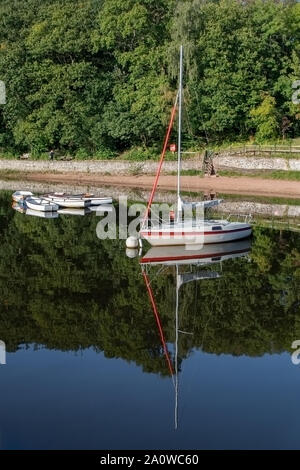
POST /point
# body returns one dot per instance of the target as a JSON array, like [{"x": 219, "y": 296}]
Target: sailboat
[
  {"x": 183, "y": 261},
  {"x": 189, "y": 230}
]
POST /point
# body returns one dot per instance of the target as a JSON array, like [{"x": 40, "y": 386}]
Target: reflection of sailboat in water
[{"x": 183, "y": 259}]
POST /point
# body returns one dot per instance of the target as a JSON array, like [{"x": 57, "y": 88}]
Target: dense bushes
[{"x": 99, "y": 76}]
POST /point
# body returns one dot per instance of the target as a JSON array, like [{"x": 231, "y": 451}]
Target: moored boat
[
  {"x": 19, "y": 196},
  {"x": 86, "y": 199},
  {"x": 41, "y": 205},
  {"x": 69, "y": 201},
  {"x": 185, "y": 228},
  {"x": 190, "y": 233}
]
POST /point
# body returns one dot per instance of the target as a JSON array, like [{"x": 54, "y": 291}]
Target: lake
[{"x": 93, "y": 363}]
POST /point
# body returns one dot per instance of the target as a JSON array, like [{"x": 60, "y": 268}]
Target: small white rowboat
[
  {"x": 73, "y": 202},
  {"x": 77, "y": 200},
  {"x": 42, "y": 205},
  {"x": 20, "y": 196}
]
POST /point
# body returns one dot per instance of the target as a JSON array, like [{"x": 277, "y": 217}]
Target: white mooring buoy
[
  {"x": 132, "y": 242},
  {"x": 132, "y": 252}
]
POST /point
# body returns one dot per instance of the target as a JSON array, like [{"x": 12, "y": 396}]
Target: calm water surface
[{"x": 86, "y": 366}]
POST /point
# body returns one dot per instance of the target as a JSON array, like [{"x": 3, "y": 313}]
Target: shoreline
[
  {"x": 223, "y": 184},
  {"x": 279, "y": 210}
]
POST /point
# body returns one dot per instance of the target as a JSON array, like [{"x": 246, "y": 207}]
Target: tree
[
  {"x": 235, "y": 52},
  {"x": 134, "y": 35},
  {"x": 265, "y": 119},
  {"x": 101, "y": 75}
]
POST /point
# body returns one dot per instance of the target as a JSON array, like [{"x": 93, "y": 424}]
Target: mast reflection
[{"x": 186, "y": 263}]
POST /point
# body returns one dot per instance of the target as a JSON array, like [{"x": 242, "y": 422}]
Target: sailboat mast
[{"x": 179, "y": 122}]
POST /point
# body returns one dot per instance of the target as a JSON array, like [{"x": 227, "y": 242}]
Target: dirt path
[{"x": 222, "y": 184}]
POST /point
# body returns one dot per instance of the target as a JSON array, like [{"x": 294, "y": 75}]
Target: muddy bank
[
  {"x": 222, "y": 184},
  {"x": 243, "y": 206}
]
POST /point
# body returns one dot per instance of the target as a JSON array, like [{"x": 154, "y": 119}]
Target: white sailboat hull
[{"x": 201, "y": 234}]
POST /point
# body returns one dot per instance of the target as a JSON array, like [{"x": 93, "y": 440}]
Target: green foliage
[
  {"x": 82, "y": 154},
  {"x": 265, "y": 119},
  {"x": 101, "y": 76},
  {"x": 134, "y": 34},
  {"x": 235, "y": 51},
  {"x": 104, "y": 153},
  {"x": 55, "y": 84},
  {"x": 140, "y": 153},
  {"x": 7, "y": 155}
]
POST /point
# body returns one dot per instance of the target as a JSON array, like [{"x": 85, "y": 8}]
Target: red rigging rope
[
  {"x": 161, "y": 160},
  {"x": 156, "y": 314}
]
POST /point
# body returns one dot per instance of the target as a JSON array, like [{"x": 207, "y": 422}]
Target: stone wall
[
  {"x": 119, "y": 167},
  {"x": 113, "y": 167},
  {"x": 227, "y": 161}
]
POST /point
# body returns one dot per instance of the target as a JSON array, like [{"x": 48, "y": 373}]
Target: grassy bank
[
  {"x": 263, "y": 174},
  {"x": 288, "y": 175}
]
